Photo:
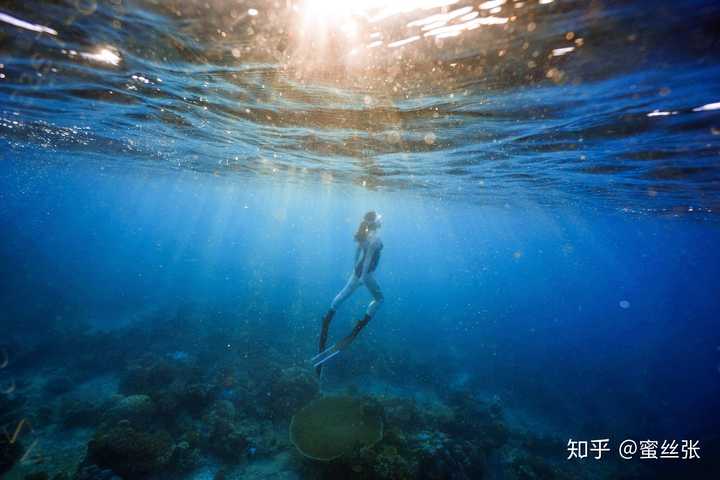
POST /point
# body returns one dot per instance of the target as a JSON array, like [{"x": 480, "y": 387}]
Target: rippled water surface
[{"x": 609, "y": 103}]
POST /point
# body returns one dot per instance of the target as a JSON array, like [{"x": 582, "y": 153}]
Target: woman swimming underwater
[{"x": 367, "y": 257}]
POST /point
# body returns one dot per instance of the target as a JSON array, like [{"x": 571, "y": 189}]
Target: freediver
[{"x": 367, "y": 257}]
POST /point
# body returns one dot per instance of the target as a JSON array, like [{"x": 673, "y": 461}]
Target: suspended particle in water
[
  {"x": 555, "y": 74},
  {"x": 430, "y": 138},
  {"x": 393, "y": 136},
  {"x": 624, "y": 304},
  {"x": 9, "y": 389}
]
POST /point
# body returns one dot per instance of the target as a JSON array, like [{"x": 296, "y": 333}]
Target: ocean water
[{"x": 180, "y": 183}]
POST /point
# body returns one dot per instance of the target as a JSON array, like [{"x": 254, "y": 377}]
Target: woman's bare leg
[
  {"x": 352, "y": 284},
  {"x": 378, "y": 298}
]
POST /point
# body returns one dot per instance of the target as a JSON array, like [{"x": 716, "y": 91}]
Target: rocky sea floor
[{"x": 190, "y": 398}]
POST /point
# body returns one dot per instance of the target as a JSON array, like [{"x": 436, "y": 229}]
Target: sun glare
[
  {"x": 335, "y": 11},
  {"x": 103, "y": 55},
  {"x": 362, "y": 32}
]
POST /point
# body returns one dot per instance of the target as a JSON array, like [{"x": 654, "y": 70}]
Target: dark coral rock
[
  {"x": 167, "y": 402},
  {"x": 148, "y": 375},
  {"x": 185, "y": 457},
  {"x": 130, "y": 452},
  {"x": 224, "y": 438},
  {"x": 290, "y": 391},
  {"x": 495, "y": 434},
  {"x": 37, "y": 476},
  {"x": 542, "y": 444},
  {"x": 392, "y": 466},
  {"x": 231, "y": 445},
  {"x": 42, "y": 414},
  {"x": 172, "y": 384},
  {"x": 75, "y": 412},
  {"x": 58, "y": 385},
  {"x": 138, "y": 409},
  {"x": 195, "y": 397},
  {"x": 532, "y": 467},
  {"x": 483, "y": 422},
  {"x": 11, "y": 407},
  {"x": 261, "y": 436},
  {"x": 93, "y": 472},
  {"x": 402, "y": 413},
  {"x": 380, "y": 462},
  {"x": 9, "y": 453}
]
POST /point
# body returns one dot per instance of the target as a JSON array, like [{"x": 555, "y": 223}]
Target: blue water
[{"x": 550, "y": 216}]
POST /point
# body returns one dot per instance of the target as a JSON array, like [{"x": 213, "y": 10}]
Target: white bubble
[
  {"x": 394, "y": 136},
  {"x": 624, "y": 304}
]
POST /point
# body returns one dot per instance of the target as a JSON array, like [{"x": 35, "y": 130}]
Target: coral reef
[
  {"x": 78, "y": 412},
  {"x": 481, "y": 421},
  {"x": 172, "y": 382},
  {"x": 130, "y": 451},
  {"x": 134, "y": 408},
  {"x": 223, "y": 436},
  {"x": 194, "y": 405},
  {"x": 293, "y": 388},
  {"x": 389, "y": 464},
  {"x": 418, "y": 445},
  {"x": 10, "y": 452},
  {"x": 330, "y": 427},
  {"x": 37, "y": 476},
  {"x": 149, "y": 374},
  {"x": 185, "y": 457},
  {"x": 533, "y": 467},
  {"x": 58, "y": 385},
  {"x": 93, "y": 472}
]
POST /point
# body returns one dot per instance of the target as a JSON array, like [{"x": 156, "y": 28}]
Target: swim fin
[{"x": 324, "y": 356}]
